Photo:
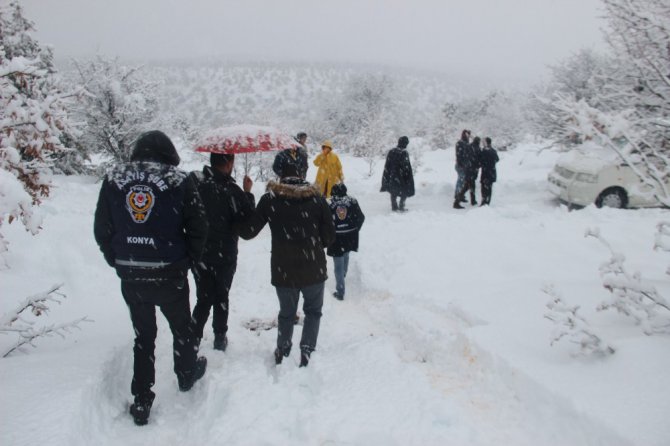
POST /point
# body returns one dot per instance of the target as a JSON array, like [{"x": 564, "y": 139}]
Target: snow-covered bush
[
  {"x": 573, "y": 327},
  {"x": 630, "y": 294},
  {"x": 34, "y": 120},
  {"x": 19, "y": 322}
]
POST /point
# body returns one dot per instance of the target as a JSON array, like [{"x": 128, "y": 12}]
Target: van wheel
[{"x": 614, "y": 197}]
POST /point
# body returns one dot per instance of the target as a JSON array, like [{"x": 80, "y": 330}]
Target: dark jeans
[
  {"x": 142, "y": 298},
  {"x": 341, "y": 267},
  {"x": 487, "y": 191},
  {"x": 213, "y": 284},
  {"x": 395, "y": 205},
  {"x": 288, "y": 305}
]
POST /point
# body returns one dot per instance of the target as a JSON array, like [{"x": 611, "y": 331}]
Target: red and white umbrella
[{"x": 244, "y": 139}]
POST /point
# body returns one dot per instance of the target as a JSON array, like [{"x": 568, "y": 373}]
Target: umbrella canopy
[{"x": 244, "y": 139}]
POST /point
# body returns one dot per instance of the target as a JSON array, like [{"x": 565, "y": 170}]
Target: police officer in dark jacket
[
  {"x": 151, "y": 227},
  {"x": 229, "y": 210},
  {"x": 296, "y": 156},
  {"x": 348, "y": 218},
  {"x": 398, "y": 178},
  {"x": 301, "y": 227},
  {"x": 489, "y": 159}
]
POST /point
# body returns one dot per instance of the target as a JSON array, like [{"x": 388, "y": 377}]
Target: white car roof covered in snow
[{"x": 589, "y": 158}]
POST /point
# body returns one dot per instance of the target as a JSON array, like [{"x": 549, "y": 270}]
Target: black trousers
[
  {"x": 470, "y": 185},
  {"x": 213, "y": 284},
  {"x": 142, "y": 298},
  {"x": 487, "y": 191},
  {"x": 395, "y": 205}
]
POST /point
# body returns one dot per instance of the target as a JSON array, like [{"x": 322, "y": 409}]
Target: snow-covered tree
[
  {"x": 363, "y": 117},
  {"x": 629, "y": 112},
  {"x": 498, "y": 115},
  {"x": 118, "y": 105},
  {"x": 34, "y": 120}
]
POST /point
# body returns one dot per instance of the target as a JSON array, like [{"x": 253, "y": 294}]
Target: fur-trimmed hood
[{"x": 293, "y": 189}]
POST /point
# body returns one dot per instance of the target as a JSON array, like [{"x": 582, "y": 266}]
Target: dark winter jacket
[
  {"x": 464, "y": 155},
  {"x": 489, "y": 158},
  {"x": 475, "y": 160},
  {"x": 229, "y": 214},
  {"x": 296, "y": 157},
  {"x": 301, "y": 226},
  {"x": 348, "y": 219},
  {"x": 398, "y": 178},
  {"x": 149, "y": 222}
]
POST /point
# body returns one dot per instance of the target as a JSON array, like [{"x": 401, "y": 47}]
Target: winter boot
[
  {"x": 457, "y": 204},
  {"x": 279, "y": 356},
  {"x": 186, "y": 381},
  {"x": 338, "y": 296},
  {"x": 141, "y": 409},
  {"x": 220, "y": 342},
  {"x": 304, "y": 358}
]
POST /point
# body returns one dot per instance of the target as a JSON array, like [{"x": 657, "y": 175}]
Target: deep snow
[{"x": 440, "y": 340}]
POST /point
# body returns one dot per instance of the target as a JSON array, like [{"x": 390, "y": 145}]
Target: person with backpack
[
  {"x": 348, "y": 218},
  {"x": 398, "y": 178},
  {"x": 229, "y": 210},
  {"x": 489, "y": 159},
  {"x": 151, "y": 226}
]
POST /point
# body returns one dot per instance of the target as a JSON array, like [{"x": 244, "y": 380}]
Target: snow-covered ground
[{"x": 440, "y": 339}]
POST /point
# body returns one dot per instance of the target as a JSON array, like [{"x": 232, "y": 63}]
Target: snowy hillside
[{"x": 440, "y": 340}]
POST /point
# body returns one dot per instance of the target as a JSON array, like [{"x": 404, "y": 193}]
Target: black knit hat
[
  {"x": 403, "y": 141},
  {"x": 155, "y": 146},
  {"x": 338, "y": 190}
]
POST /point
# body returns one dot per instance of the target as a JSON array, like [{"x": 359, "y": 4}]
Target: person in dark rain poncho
[{"x": 398, "y": 178}]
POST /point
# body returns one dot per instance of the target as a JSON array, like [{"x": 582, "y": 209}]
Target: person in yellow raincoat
[{"x": 330, "y": 169}]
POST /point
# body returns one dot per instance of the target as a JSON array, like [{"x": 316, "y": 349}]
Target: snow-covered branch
[
  {"x": 16, "y": 321},
  {"x": 630, "y": 294},
  {"x": 572, "y": 326}
]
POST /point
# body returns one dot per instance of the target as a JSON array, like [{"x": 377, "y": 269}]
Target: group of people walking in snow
[{"x": 154, "y": 222}]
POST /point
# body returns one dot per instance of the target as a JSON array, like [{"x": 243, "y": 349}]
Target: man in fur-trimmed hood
[{"x": 302, "y": 227}]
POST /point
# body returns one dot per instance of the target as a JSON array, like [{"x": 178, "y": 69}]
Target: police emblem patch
[
  {"x": 341, "y": 212},
  {"x": 139, "y": 202}
]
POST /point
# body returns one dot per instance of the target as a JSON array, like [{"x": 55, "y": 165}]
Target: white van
[{"x": 596, "y": 175}]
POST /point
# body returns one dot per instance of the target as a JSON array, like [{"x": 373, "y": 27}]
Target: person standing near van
[
  {"x": 463, "y": 157},
  {"x": 330, "y": 169},
  {"x": 348, "y": 218},
  {"x": 489, "y": 159}
]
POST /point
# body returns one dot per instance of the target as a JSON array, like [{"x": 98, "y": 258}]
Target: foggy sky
[{"x": 514, "y": 39}]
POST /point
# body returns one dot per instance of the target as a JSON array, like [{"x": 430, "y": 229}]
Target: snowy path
[{"x": 406, "y": 358}]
